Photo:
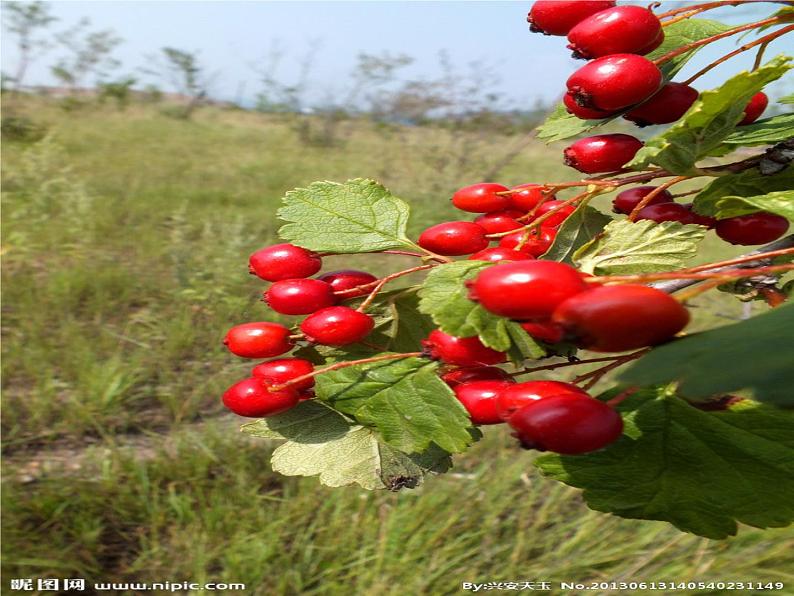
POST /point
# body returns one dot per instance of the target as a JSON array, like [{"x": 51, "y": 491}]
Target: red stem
[
  {"x": 382, "y": 282},
  {"x": 723, "y": 274}
]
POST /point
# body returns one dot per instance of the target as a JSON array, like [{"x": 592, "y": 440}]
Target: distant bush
[{"x": 22, "y": 129}]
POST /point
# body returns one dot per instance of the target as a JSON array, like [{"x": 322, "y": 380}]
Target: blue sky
[{"x": 233, "y": 36}]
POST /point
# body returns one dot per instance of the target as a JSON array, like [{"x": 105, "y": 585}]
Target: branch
[{"x": 679, "y": 284}]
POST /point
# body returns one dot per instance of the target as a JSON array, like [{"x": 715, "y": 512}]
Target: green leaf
[
  {"x": 763, "y": 132},
  {"x": 748, "y": 183},
  {"x": 357, "y": 216},
  {"x": 523, "y": 346},
  {"x": 780, "y": 202},
  {"x": 561, "y": 125},
  {"x": 704, "y": 472},
  {"x": 679, "y": 34},
  {"x": 321, "y": 442},
  {"x": 786, "y": 99},
  {"x": 711, "y": 119},
  {"x": 405, "y": 400},
  {"x": 644, "y": 246},
  {"x": 754, "y": 354},
  {"x": 579, "y": 228}
]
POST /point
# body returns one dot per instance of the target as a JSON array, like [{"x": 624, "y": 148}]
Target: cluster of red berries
[
  {"x": 546, "y": 415},
  {"x": 293, "y": 292},
  {"x": 618, "y": 79}
]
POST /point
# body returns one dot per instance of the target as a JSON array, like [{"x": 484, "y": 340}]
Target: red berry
[
  {"x": 527, "y": 196},
  {"x": 499, "y": 254},
  {"x": 347, "y": 279},
  {"x": 299, "y": 296},
  {"x": 582, "y": 112},
  {"x": 620, "y": 318},
  {"x": 252, "y": 398},
  {"x": 337, "y": 326},
  {"x": 304, "y": 395},
  {"x": 534, "y": 243},
  {"x": 617, "y": 30},
  {"x": 667, "y": 212},
  {"x": 560, "y": 215},
  {"x": 668, "y": 105},
  {"x": 614, "y": 82},
  {"x": 258, "y": 340},
  {"x": 526, "y": 290},
  {"x": 481, "y": 198},
  {"x": 463, "y": 351},
  {"x": 755, "y": 228},
  {"x": 283, "y": 261},
  {"x": 547, "y": 332},
  {"x": 466, "y": 374},
  {"x": 285, "y": 369},
  {"x": 454, "y": 238},
  {"x": 500, "y": 221},
  {"x": 653, "y": 45},
  {"x": 602, "y": 153},
  {"x": 517, "y": 396},
  {"x": 755, "y": 107},
  {"x": 479, "y": 399},
  {"x": 568, "y": 424},
  {"x": 557, "y": 17},
  {"x": 627, "y": 200}
]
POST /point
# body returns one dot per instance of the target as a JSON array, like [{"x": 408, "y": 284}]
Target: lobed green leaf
[
  {"x": 584, "y": 224},
  {"x": 626, "y": 247},
  {"x": 680, "y": 34},
  {"x": 704, "y": 472},
  {"x": 321, "y": 442},
  {"x": 356, "y": 216},
  {"x": 763, "y": 132}
]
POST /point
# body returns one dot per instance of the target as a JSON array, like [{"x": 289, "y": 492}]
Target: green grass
[{"x": 125, "y": 244}]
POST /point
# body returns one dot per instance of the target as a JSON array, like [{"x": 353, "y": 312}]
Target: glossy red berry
[
  {"x": 345, "y": 280},
  {"x": 668, "y": 105},
  {"x": 252, "y": 398},
  {"x": 614, "y": 82},
  {"x": 479, "y": 399},
  {"x": 568, "y": 424},
  {"x": 561, "y": 213},
  {"x": 627, "y": 200},
  {"x": 583, "y": 112},
  {"x": 258, "y": 340},
  {"x": 527, "y": 196},
  {"x": 558, "y": 17},
  {"x": 526, "y": 290},
  {"x": 620, "y": 318},
  {"x": 667, "y": 212},
  {"x": 534, "y": 243},
  {"x": 337, "y": 326},
  {"x": 602, "y": 153},
  {"x": 500, "y": 221},
  {"x": 548, "y": 332},
  {"x": 466, "y": 374},
  {"x": 481, "y": 198},
  {"x": 285, "y": 369},
  {"x": 283, "y": 261},
  {"x": 755, "y": 228},
  {"x": 499, "y": 253},
  {"x": 617, "y": 30},
  {"x": 299, "y": 296},
  {"x": 515, "y": 397},
  {"x": 463, "y": 351},
  {"x": 755, "y": 107},
  {"x": 454, "y": 238}
]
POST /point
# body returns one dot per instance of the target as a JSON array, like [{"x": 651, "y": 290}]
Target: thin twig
[{"x": 646, "y": 200}]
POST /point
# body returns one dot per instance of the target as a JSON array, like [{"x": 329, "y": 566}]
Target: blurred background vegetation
[{"x": 129, "y": 214}]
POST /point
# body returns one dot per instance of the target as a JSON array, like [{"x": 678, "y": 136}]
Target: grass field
[{"x": 124, "y": 261}]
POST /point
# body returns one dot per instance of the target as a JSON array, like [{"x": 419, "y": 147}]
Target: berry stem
[
  {"x": 698, "y": 8},
  {"x": 722, "y": 274},
  {"x": 596, "y": 375},
  {"x": 762, "y": 41},
  {"x": 383, "y": 281},
  {"x": 339, "y": 365},
  {"x": 646, "y": 200},
  {"x": 564, "y": 365},
  {"x": 707, "y": 40},
  {"x": 744, "y": 259},
  {"x": 622, "y": 396}
]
